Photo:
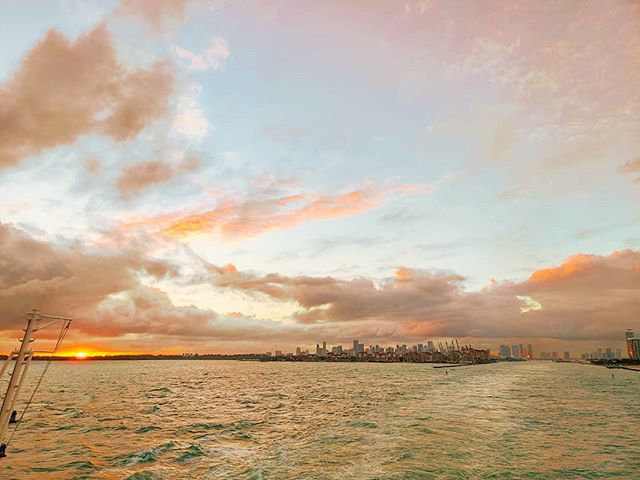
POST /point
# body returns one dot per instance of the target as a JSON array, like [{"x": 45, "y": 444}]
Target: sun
[{"x": 81, "y": 355}]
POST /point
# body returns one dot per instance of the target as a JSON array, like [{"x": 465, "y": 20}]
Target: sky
[{"x": 251, "y": 175}]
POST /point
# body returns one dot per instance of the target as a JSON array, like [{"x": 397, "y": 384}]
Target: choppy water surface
[{"x": 249, "y": 420}]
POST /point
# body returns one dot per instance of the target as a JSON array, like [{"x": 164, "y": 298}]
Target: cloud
[
  {"x": 273, "y": 206},
  {"x": 102, "y": 291},
  {"x": 63, "y": 90},
  {"x": 530, "y": 305},
  {"x": 190, "y": 119},
  {"x": 407, "y": 297},
  {"x": 252, "y": 217},
  {"x": 158, "y": 14},
  {"x": 134, "y": 179},
  {"x": 585, "y": 297},
  {"x": 36, "y": 274},
  {"x": 631, "y": 167},
  {"x": 211, "y": 58},
  {"x": 138, "y": 177}
]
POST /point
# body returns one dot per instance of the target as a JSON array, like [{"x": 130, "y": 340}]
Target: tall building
[
  {"x": 430, "y": 346},
  {"x": 515, "y": 351},
  {"x": 633, "y": 345},
  {"x": 530, "y": 351},
  {"x": 522, "y": 353},
  {"x": 505, "y": 351},
  {"x": 567, "y": 355}
]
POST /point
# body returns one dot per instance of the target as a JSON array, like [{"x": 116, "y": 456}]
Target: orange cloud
[
  {"x": 233, "y": 220},
  {"x": 403, "y": 273},
  {"x": 269, "y": 209},
  {"x": 64, "y": 89},
  {"x": 573, "y": 266}
]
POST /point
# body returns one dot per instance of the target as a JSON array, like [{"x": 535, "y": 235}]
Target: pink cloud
[
  {"x": 138, "y": 177},
  {"x": 586, "y": 297},
  {"x": 212, "y": 58},
  {"x": 159, "y": 14},
  {"x": 87, "y": 91}
]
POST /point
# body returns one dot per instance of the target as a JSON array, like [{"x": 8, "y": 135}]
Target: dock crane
[{"x": 23, "y": 356}]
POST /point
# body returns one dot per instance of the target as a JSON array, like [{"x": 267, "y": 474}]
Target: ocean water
[{"x": 249, "y": 420}]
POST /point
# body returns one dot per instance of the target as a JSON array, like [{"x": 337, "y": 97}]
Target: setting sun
[{"x": 81, "y": 355}]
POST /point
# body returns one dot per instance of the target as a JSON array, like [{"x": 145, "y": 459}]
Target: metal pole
[
  {"x": 27, "y": 362},
  {"x": 6, "y": 363},
  {"x": 14, "y": 383}
]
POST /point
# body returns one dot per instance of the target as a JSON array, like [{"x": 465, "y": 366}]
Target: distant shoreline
[
  {"x": 241, "y": 357},
  {"x": 621, "y": 364},
  {"x": 238, "y": 357},
  {"x": 625, "y": 364}
]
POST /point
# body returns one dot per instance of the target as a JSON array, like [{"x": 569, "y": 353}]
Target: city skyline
[
  {"x": 213, "y": 176},
  {"x": 514, "y": 351}
]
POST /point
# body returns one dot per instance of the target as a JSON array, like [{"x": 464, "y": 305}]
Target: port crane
[{"x": 22, "y": 357}]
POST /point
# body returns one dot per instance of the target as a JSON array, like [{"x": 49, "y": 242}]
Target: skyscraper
[
  {"x": 633, "y": 345},
  {"x": 530, "y": 351},
  {"x": 515, "y": 351},
  {"x": 629, "y": 336},
  {"x": 505, "y": 351}
]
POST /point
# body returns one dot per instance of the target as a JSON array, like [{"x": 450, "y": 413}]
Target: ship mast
[{"x": 23, "y": 357}]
